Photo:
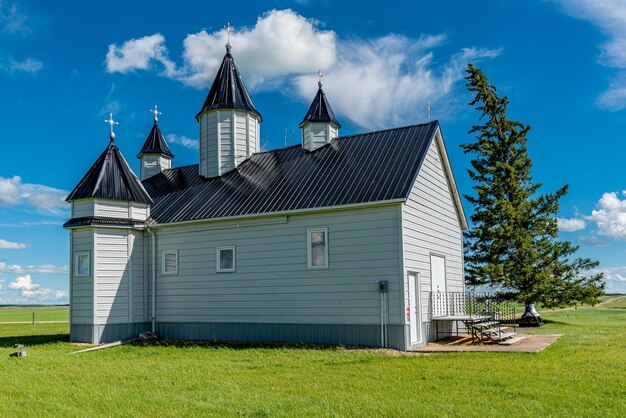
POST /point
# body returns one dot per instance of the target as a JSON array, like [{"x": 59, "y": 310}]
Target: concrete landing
[{"x": 532, "y": 343}]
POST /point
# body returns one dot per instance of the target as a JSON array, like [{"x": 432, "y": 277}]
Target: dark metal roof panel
[
  {"x": 372, "y": 167},
  {"x": 110, "y": 177},
  {"x": 228, "y": 90},
  {"x": 155, "y": 143},
  {"x": 320, "y": 110}
]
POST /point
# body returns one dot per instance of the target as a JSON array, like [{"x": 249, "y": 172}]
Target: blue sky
[{"x": 63, "y": 69}]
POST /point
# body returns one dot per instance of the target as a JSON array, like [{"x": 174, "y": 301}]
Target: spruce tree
[{"x": 513, "y": 245}]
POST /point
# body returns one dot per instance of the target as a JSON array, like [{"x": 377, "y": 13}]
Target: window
[
  {"x": 82, "y": 263},
  {"x": 225, "y": 259},
  {"x": 317, "y": 248},
  {"x": 169, "y": 263}
]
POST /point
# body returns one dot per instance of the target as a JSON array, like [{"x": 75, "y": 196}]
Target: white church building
[{"x": 337, "y": 240}]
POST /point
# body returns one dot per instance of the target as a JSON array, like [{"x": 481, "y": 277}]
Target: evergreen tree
[{"x": 513, "y": 245}]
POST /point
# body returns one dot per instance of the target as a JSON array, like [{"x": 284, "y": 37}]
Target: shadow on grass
[
  {"x": 30, "y": 340},
  {"x": 246, "y": 345}
]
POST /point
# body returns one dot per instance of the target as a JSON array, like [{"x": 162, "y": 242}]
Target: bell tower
[{"x": 319, "y": 125}]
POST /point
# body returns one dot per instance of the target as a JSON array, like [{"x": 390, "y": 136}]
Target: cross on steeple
[
  {"x": 229, "y": 30},
  {"x": 156, "y": 113},
  {"x": 111, "y": 123},
  {"x": 320, "y": 83}
]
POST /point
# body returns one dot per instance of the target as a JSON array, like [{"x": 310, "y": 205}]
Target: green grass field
[
  {"x": 42, "y": 313},
  {"x": 582, "y": 374}
]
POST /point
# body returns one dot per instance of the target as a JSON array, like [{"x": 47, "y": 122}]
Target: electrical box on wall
[{"x": 383, "y": 287}]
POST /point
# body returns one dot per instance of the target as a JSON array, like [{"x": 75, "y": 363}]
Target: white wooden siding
[
  {"x": 82, "y": 287},
  {"x": 271, "y": 282},
  {"x": 153, "y": 164},
  {"x": 431, "y": 225},
  {"x": 315, "y": 135},
  {"x": 82, "y": 208},
  {"x": 112, "y": 274},
  {"x": 208, "y": 144},
  {"x": 226, "y": 141}
]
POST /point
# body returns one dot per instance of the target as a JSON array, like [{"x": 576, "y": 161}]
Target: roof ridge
[{"x": 433, "y": 122}]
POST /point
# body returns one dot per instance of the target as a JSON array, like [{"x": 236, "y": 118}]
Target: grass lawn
[
  {"x": 582, "y": 374},
  {"x": 42, "y": 313}
]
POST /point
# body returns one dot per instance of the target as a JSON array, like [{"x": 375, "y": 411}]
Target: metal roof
[
  {"x": 371, "y": 167},
  {"x": 320, "y": 110},
  {"x": 110, "y": 177},
  {"x": 228, "y": 90},
  {"x": 155, "y": 143}
]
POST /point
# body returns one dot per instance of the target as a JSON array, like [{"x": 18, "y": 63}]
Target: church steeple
[
  {"x": 229, "y": 122},
  {"x": 319, "y": 125},
  {"x": 155, "y": 155}
]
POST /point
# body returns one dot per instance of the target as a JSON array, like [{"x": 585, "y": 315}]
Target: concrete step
[
  {"x": 485, "y": 324},
  {"x": 513, "y": 340},
  {"x": 493, "y": 330}
]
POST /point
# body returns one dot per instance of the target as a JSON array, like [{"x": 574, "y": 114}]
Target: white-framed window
[
  {"x": 82, "y": 264},
  {"x": 225, "y": 257},
  {"x": 317, "y": 248},
  {"x": 169, "y": 262}
]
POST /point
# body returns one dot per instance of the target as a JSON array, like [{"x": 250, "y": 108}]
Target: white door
[
  {"x": 413, "y": 311},
  {"x": 438, "y": 285}
]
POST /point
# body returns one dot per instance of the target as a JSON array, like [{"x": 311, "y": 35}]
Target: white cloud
[
  {"x": 138, "y": 54},
  {"x": 570, "y": 225},
  {"x": 31, "y": 269},
  {"x": 614, "y": 277},
  {"x": 610, "y": 217},
  {"x": 183, "y": 140},
  {"x": 610, "y": 17},
  {"x": 34, "y": 291},
  {"x": 8, "y": 245},
  {"x": 283, "y": 50},
  {"x": 29, "y": 65},
  {"x": 14, "y": 192},
  {"x": 12, "y": 19},
  {"x": 30, "y": 223},
  {"x": 281, "y": 43}
]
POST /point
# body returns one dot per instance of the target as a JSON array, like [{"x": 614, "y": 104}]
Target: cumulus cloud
[
  {"x": 610, "y": 17},
  {"x": 570, "y": 225},
  {"x": 614, "y": 277},
  {"x": 33, "y": 269},
  {"x": 30, "y": 290},
  {"x": 8, "y": 245},
  {"x": 139, "y": 54},
  {"x": 29, "y": 65},
  {"x": 610, "y": 217},
  {"x": 15, "y": 192},
  {"x": 282, "y": 51},
  {"x": 183, "y": 140}
]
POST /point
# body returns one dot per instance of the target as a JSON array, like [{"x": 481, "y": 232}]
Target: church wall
[
  {"x": 208, "y": 144},
  {"x": 81, "y": 288},
  {"x": 431, "y": 225},
  {"x": 82, "y": 208},
  {"x": 272, "y": 283},
  {"x": 225, "y": 132}
]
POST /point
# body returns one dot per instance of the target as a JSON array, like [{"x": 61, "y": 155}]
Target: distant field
[
  {"x": 42, "y": 313},
  {"x": 582, "y": 374}
]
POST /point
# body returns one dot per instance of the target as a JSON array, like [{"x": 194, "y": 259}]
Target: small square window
[
  {"x": 82, "y": 262},
  {"x": 225, "y": 259},
  {"x": 317, "y": 250},
  {"x": 169, "y": 262}
]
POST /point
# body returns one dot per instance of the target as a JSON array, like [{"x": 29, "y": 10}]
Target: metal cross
[
  {"x": 156, "y": 113},
  {"x": 111, "y": 123},
  {"x": 321, "y": 75},
  {"x": 229, "y": 29}
]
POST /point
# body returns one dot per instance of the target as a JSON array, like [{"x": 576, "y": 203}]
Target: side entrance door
[
  {"x": 413, "y": 307},
  {"x": 438, "y": 285}
]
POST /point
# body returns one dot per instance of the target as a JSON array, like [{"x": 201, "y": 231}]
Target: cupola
[
  {"x": 155, "y": 155},
  {"x": 319, "y": 125},
  {"x": 229, "y": 122}
]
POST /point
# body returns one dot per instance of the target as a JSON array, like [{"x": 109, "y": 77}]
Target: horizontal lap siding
[
  {"x": 82, "y": 208},
  {"x": 111, "y": 209},
  {"x": 272, "y": 283},
  {"x": 82, "y": 287},
  {"x": 431, "y": 225},
  {"x": 138, "y": 277},
  {"x": 226, "y": 140},
  {"x": 208, "y": 144},
  {"x": 241, "y": 136},
  {"x": 112, "y": 276}
]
